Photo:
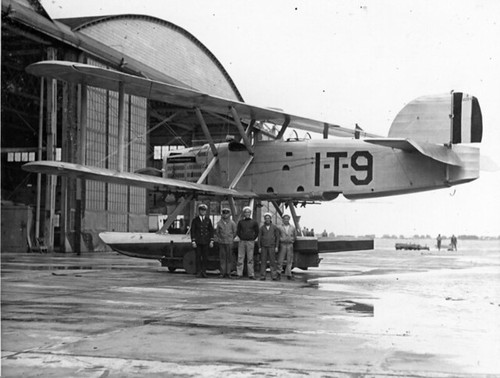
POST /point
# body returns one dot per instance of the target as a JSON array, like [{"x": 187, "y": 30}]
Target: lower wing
[{"x": 133, "y": 179}]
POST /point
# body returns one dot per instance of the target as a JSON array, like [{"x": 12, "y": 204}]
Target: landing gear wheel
[{"x": 189, "y": 262}]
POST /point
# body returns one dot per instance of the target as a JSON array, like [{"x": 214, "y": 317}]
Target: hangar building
[{"x": 50, "y": 120}]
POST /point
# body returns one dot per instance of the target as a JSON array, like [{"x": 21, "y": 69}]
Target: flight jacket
[
  {"x": 287, "y": 237},
  {"x": 225, "y": 232},
  {"x": 248, "y": 229},
  {"x": 269, "y": 238}
]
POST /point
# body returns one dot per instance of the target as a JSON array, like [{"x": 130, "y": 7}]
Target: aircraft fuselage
[{"x": 323, "y": 169}]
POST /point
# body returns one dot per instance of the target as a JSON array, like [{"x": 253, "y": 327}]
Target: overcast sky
[{"x": 350, "y": 62}]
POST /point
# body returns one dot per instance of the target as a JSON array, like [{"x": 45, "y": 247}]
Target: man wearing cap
[
  {"x": 225, "y": 232},
  {"x": 269, "y": 237},
  {"x": 202, "y": 238},
  {"x": 247, "y": 231},
  {"x": 288, "y": 234}
]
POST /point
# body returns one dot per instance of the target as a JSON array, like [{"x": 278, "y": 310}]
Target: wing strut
[
  {"x": 277, "y": 207},
  {"x": 208, "y": 169},
  {"x": 295, "y": 217},
  {"x": 241, "y": 172},
  {"x": 239, "y": 126},
  {"x": 172, "y": 217},
  {"x": 206, "y": 131},
  {"x": 283, "y": 128}
]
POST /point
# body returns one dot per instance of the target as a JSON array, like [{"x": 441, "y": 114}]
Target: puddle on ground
[
  {"x": 57, "y": 267},
  {"x": 358, "y": 308}
]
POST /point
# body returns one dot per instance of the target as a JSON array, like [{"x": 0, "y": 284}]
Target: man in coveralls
[
  {"x": 269, "y": 237},
  {"x": 202, "y": 238}
]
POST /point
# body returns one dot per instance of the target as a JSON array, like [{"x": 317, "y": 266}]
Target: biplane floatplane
[{"x": 428, "y": 147}]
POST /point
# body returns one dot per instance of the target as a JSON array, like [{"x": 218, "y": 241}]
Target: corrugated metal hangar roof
[{"x": 169, "y": 49}]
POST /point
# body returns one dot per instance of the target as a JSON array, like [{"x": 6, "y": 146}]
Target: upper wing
[
  {"x": 134, "y": 179},
  {"x": 143, "y": 87}
]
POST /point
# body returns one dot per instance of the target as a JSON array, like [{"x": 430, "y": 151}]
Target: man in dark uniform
[{"x": 202, "y": 238}]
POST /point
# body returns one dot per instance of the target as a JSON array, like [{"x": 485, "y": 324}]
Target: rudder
[{"x": 448, "y": 118}]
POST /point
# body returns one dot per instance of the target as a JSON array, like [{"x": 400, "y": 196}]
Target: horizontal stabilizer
[
  {"x": 437, "y": 152},
  {"x": 133, "y": 179}
]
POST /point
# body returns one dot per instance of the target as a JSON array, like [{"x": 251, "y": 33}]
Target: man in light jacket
[
  {"x": 288, "y": 235},
  {"x": 225, "y": 232}
]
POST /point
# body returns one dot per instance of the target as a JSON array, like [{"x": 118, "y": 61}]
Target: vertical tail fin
[{"x": 450, "y": 118}]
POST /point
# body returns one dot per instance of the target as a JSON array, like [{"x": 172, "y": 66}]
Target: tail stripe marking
[
  {"x": 457, "y": 118},
  {"x": 476, "y": 121}
]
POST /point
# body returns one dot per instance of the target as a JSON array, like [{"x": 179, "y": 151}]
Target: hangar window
[
  {"x": 270, "y": 190},
  {"x": 26, "y": 156},
  {"x": 300, "y": 189},
  {"x": 289, "y": 154},
  {"x": 286, "y": 168},
  {"x": 161, "y": 151}
]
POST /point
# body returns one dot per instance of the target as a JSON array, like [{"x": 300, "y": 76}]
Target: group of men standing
[{"x": 275, "y": 243}]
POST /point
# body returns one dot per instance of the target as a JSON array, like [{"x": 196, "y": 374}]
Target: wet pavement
[{"x": 361, "y": 314}]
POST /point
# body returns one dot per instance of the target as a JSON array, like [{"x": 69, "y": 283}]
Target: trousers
[
  {"x": 201, "y": 258},
  {"x": 245, "y": 248},
  {"x": 226, "y": 258},
  {"x": 268, "y": 253},
  {"x": 286, "y": 252}
]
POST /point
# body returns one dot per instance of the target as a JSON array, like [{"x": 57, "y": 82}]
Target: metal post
[
  {"x": 40, "y": 149},
  {"x": 121, "y": 125},
  {"x": 50, "y": 197}
]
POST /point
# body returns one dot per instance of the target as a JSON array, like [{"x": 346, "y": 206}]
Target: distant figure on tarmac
[
  {"x": 202, "y": 238},
  {"x": 438, "y": 241},
  {"x": 247, "y": 231},
  {"x": 324, "y": 234},
  {"x": 288, "y": 234},
  {"x": 453, "y": 243},
  {"x": 225, "y": 232},
  {"x": 269, "y": 237}
]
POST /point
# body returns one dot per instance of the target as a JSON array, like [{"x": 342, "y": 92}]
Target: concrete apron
[{"x": 360, "y": 313}]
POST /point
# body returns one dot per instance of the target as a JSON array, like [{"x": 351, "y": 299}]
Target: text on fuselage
[{"x": 361, "y": 163}]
